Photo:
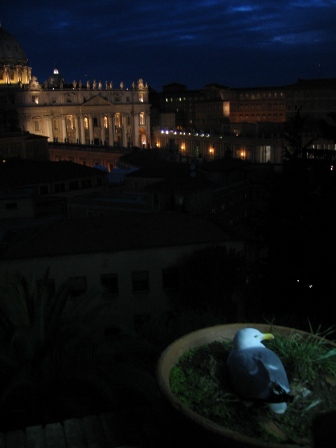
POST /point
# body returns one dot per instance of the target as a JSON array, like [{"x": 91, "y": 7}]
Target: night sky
[{"x": 193, "y": 42}]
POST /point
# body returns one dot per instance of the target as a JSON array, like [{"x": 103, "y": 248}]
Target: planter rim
[{"x": 169, "y": 357}]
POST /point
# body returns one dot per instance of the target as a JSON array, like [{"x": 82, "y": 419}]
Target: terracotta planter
[{"x": 219, "y": 434}]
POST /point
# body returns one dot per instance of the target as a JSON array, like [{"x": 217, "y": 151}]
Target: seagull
[{"x": 257, "y": 373}]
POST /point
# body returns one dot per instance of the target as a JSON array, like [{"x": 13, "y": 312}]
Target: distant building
[
  {"x": 225, "y": 110},
  {"x": 129, "y": 261},
  {"x": 32, "y": 188},
  {"x": 23, "y": 145},
  {"x": 90, "y": 112}
]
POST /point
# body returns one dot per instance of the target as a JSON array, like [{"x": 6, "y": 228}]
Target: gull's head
[{"x": 250, "y": 337}]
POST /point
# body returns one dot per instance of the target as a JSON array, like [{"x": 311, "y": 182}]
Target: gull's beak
[{"x": 267, "y": 336}]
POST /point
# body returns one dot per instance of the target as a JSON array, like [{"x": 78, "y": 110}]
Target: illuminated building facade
[{"x": 93, "y": 113}]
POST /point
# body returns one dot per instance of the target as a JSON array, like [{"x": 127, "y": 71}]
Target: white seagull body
[{"x": 256, "y": 372}]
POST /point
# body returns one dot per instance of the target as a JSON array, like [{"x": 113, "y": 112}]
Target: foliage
[
  {"x": 299, "y": 236},
  {"x": 306, "y": 357},
  {"x": 294, "y": 130},
  {"x": 197, "y": 381},
  {"x": 57, "y": 356}
]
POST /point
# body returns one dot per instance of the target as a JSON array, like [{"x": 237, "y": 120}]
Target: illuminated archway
[{"x": 142, "y": 138}]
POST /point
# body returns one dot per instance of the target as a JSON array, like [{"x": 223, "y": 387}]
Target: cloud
[{"x": 169, "y": 38}]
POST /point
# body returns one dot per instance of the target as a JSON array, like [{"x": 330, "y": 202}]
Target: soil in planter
[{"x": 200, "y": 381}]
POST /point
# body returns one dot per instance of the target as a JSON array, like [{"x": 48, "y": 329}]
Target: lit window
[
  {"x": 142, "y": 119},
  {"x": 69, "y": 122},
  {"x": 117, "y": 120},
  {"x": 141, "y": 97},
  {"x": 105, "y": 123},
  {"x": 86, "y": 123}
]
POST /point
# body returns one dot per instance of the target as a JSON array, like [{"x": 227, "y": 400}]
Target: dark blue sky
[{"x": 194, "y": 42}]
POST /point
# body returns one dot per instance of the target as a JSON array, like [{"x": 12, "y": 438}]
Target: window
[
  {"x": 11, "y": 206},
  {"x": 59, "y": 188},
  {"x": 110, "y": 284},
  {"x": 105, "y": 123},
  {"x": 170, "y": 278},
  {"x": 117, "y": 120},
  {"x": 142, "y": 119},
  {"x": 86, "y": 183},
  {"x": 36, "y": 126},
  {"x": 73, "y": 185},
  {"x": 78, "y": 285},
  {"x": 69, "y": 122},
  {"x": 140, "y": 281},
  {"x": 86, "y": 123}
]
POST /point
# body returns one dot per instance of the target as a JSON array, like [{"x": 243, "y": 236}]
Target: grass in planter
[{"x": 199, "y": 380}]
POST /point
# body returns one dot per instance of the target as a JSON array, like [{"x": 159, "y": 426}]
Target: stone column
[
  {"x": 148, "y": 132},
  {"x": 136, "y": 121},
  {"x": 110, "y": 129},
  {"x": 63, "y": 124},
  {"x": 82, "y": 130},
  {"x": 102, "y": 129},
  {"x": 90, "y": 128},
  {"x": 76, "y": 118},
  {"x": 50, "y": 133},
  {"x": 124, "y": 129}
]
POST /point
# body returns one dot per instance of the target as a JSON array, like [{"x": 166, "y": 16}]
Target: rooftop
[
  {"x": 23, "y": 172},
  {"x": 110, "y": 234}
]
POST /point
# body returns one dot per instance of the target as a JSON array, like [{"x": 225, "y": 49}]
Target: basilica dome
[
  {"x": 56, "y": 80},
  {"x": 11, "y": 52}
]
